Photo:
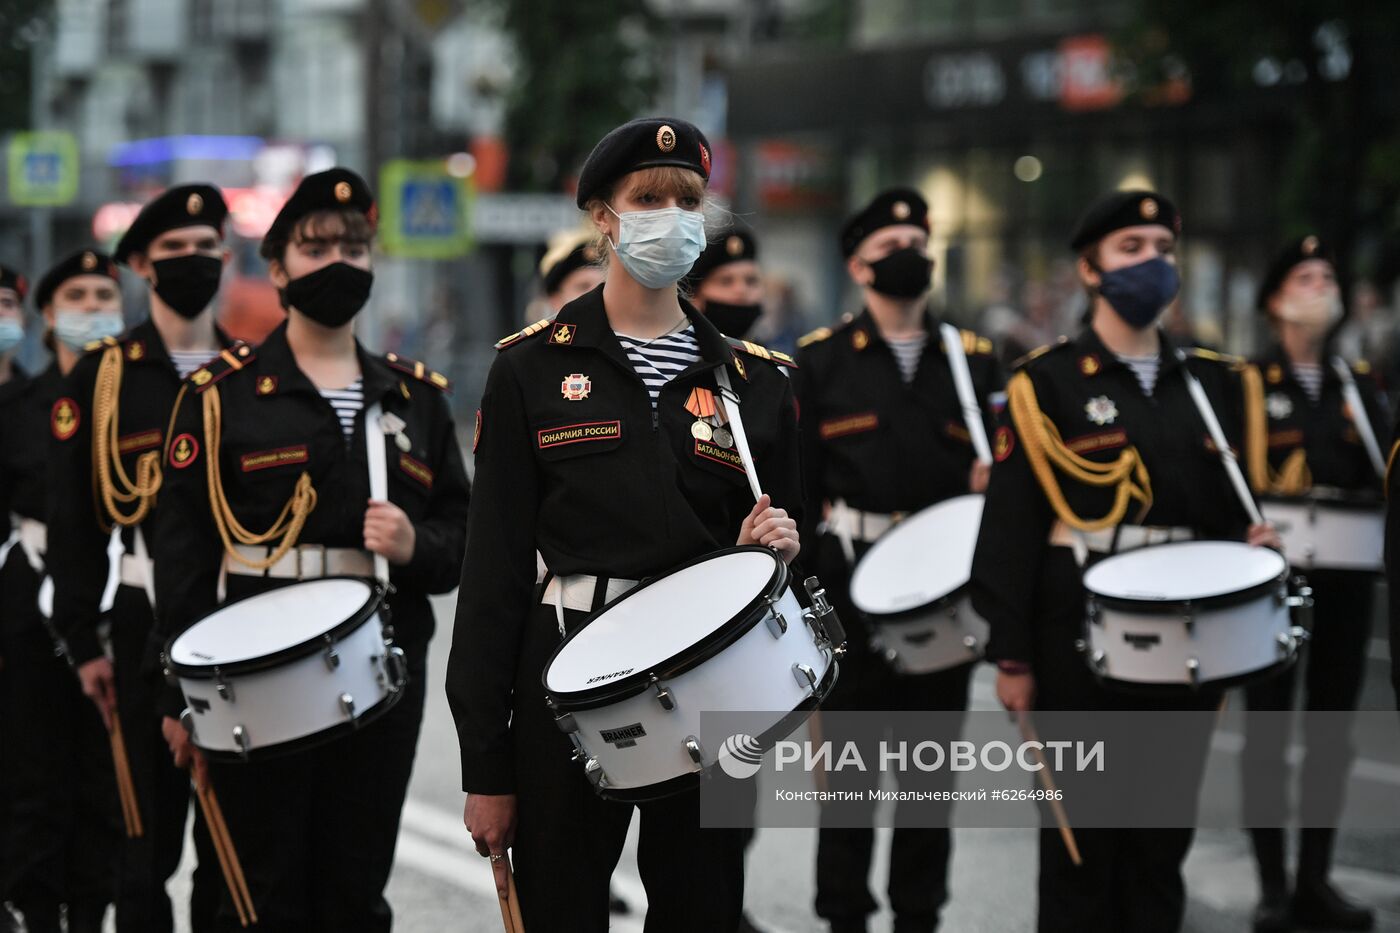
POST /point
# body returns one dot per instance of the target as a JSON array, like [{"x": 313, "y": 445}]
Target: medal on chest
[
  {"x": 709, "y": 417},
  {"x": 1280, "y": 406},
  {"x": 1101, "y": 410}
]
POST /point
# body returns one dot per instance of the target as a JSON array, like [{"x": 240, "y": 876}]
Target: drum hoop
[
  {"x": 874, "y": 545},
  {"x": 685, "y": 660},
  {"x": 1331, "y": 497},
  {"x": 283, "y": 655},
  {"x": 767, "y": 740},
  {"x": 1168, "y": 690},
  {"x": 314, "y": 740},
  {"x": 1171, "y": 606},
  {"x": 905, "y": 616}
]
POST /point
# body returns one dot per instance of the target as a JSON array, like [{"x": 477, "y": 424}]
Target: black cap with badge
[
  {"x": 331, "y": 190},
  {"x": 174, "y": 209},
  {"x": 725, "y": 248},
  {"x": 83, "y": 262},
  {"x": 11, "y": 279},
  {"x": 1124, "y": 209},
  {"x": 646, "y": 143},
  {"x": 569, "y": 254},
  {"x": 894, "y": 207},
  {"x": 1295, "y": 253}
]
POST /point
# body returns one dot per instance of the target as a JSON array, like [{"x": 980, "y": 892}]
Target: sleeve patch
[
  {"x": 476, "y": 434},
  {"x": 1003, "y": 445},
  {"x": 184, "y": 450},
  {"x": 64, "y": 418},
  {"x": 416, "y": 469},
  {"x": 281, "y": 456}
]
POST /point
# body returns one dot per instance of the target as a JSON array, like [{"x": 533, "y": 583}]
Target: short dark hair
[{"x": 346, "y": 224}]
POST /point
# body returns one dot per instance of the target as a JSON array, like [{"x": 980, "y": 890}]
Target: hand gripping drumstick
[
  {"x": 510, "y": 904},
  {"x": 126, "y": 786},
  {"x": 228, "y": 856},
  {"x": 1023, "y": 719}
]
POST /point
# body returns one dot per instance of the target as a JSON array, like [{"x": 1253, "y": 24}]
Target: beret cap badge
[
  {"x": 1149, "y": 209},
  {"x": 194, "y": 204},
  {"x": 900, "y": 210},
  {"x": 89, "y": 261},
  {"x": 1310, "y": 245},
  {"x": 342, "y": 191},
  {"x": 734, "y": 246},
  {"x": 665, "y": 138}
]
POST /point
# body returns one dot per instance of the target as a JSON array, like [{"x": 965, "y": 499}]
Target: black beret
[
  {"x": 332, "y": 190},
  {"x": 645, "y": 143},
  {"x": 733, "y": 245},
  {"x": 1296, "y": 252},
  {"x": 175, "y": 208},
  {"x": 556, "y": 270},
  {"x": 1124, "y": 209},
  {"x": 894, "y": 207},
  {"x": 83, "y": 262},
  {"x": 10, "y": 278}
]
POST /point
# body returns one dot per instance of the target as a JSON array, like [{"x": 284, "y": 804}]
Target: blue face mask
[
  {"x": 11, "y": 333},
  {"x": 1142, "y": 292},
  {"x": 658, "y": 247},
  {"x": 77, "y": 329}
]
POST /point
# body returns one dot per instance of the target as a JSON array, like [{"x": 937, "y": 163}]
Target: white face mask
[
  {"x": 1317, "y": 312},
  {"x": 11, "y": 334},
  {"x": 77, "y": 329},
  {"x": 658, "y": 247}
]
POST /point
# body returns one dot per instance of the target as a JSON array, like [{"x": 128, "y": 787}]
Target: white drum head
[
  {"x": 920, "y": 560},
  {"x": 270, "y": 622},
  {"x": 660, "y": 621},
  {"x": 1185, "y": 570}
]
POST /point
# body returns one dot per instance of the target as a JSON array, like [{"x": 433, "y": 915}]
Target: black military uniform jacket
[
  {"x": 79, "y": 523},
  {"x": 870, "y": 439},
  {"x": 25, "y": 405},
  {"x": 1097, "y": 406},
  {"x": 569, "y": 462},
  {"x": 275, "y": 425},
  {"x": 1322, "y": 430}
]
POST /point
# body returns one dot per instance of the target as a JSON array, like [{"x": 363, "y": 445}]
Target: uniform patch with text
[
  {"x": 580, "y": 433},
  {"x": 719, "y": 454},
  {"x": 1102, "y": 440},
  {"x": 416, "y": 469},
  {"x": 849, "y": 424},
  {"x": 265, "y": 459}
]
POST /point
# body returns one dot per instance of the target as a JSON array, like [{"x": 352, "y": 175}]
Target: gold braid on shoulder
[
  {"x": 1047, "y": 453},
  {"x": 114, "y": 486},
  {"x": 289, "y": 523},
  {"x": 1293, "y": 478}
]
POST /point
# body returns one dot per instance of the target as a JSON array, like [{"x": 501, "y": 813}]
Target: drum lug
[
  {"x": 804, "y": 675},
  {"x": 822, "y": 617},
  {"x": 1095, "y": 615},
  {"x": 347, "y": 705},
  {"x": 693, "y": 749},
  {"x": 971, "y": 643},
  {"x": 1193, "y": 671},
  {"x": 331, "y": 655},
  {"x": 240, "y": 738},
  {"x": 187, "y": 720},
  {"x": 777, "y": 622},
  {"x": 580, "y": 753},
  {"x": 566, "y": 723},
  {"x": 396, "y": 666},
  {"x": 594, "y": 772},
  {"x": 663, "y": 694},
  {"x": 224, "y": 688}
]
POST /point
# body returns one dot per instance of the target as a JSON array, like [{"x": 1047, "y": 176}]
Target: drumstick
[
  {"x": 126, "y": 785},
  {"x": 237, "y": 866},
  {"x": 514, "y": 898},
  {"x": 1048, "y": 783},
  {"x": 228, "y": 857},
  {"x": 506, "y": 922},
  {"x": 814, "y": 733},
  {"x": 219, "y": 850}
]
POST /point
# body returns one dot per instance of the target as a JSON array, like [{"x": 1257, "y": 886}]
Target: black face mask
[
  {"x": 331, "y": 295},
  {"x": 188, "y": 283},
  {"x": 732, "y": 320},
  {"x": 905, "y": 273}
]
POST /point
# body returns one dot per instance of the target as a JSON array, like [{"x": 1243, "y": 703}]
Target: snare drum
[
  {"x": 722, "y": 633},
  {"x": 1330, "y": 529},
  {"x": 286, "y": 669},
  {"x": 912, "y": 585},
  {"x": 1191, "y": 614}
]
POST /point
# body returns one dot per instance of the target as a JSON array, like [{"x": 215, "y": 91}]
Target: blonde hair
[
  {"x": 663, "y": 181},
  {"x": 565, "y": 242}
]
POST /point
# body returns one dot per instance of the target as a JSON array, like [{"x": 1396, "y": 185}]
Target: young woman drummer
[
  {"x": 644, "y": 494},
  {"x": 1101, "y": 438},
  {"x": 267, "y": 482},
  {"x": 1305, "y": 438}
]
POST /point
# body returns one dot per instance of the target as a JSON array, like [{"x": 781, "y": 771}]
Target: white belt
[
  {"x": 32, "y": 536},
  {"x": 846, "y": 522},
  {"x": 1121, "y": 538},
  {"x": 576, "y": 591},
  {"x": 303, "y": 562},
  {"x": 135, "y": 570}
]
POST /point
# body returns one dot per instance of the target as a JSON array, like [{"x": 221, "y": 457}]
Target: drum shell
[
  {"x": 296, "y": 703},
  {"x": 755, "y": 672},
  {"x": 942, "y": 635},
  {"x": 1214, "y": 642},
  {"x": 1330, "y": 535}
]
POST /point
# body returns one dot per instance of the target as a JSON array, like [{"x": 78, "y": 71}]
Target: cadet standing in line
[
  {"x": 725, "y": 283},
  {"x": 657, "y": 485},
  {"x": 107, "y": 474},
  {"x": 60, "y": 799},
  {"x": 570, "y": 268},
  {"x": 1306, "y": 443},
  {"x": 284, "y": 431},
  {"x": 1112, "y": 403},
  {"x": 883, "y": 435}
]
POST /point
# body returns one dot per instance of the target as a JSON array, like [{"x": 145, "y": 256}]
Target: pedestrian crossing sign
[
  {"x": 43, "y": 169},
  {"x": 425, "y": 211}
]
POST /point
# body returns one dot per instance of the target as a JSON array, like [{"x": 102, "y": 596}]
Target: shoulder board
[
  {"x": 1361, "y": 367},
  {"x": 763, "y": 353},
  {"x": 521, "y": 334},
  {"x": 975, "y": 343},
  {"x": 816, "y": 336},
  {"x": 230, "y": 360},
  {"x": 100, "y": 344},
  {"x": 1201, "y": 353},
  {"x": 418, "y": 371},
  {"x": 1038, "y": 352}
]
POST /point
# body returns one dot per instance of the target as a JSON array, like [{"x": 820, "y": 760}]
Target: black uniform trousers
[
  {"x": 1334, "y": 659},
  {"x": 316, "y": 829},
  {"x": 1129, "y": 879},
  {"x": 162, "y": 790},
  {"x": 568, "y": 839},
  {"x": 919, "y": 856},
  {"x": 60, "y": 797}
]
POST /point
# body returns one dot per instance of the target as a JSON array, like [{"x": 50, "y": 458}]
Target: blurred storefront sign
[
  {"x": 796, "y": 177},
  {"x": 425, "y": 210},
  {"x": 522, "y": 218},
  {"x": 43, "y": 169}
]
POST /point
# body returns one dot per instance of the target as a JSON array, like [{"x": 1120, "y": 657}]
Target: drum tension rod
[
  {"x": 777, "y": 622},
  {"x": 331, "y": 656},
  {"x": 663, "y": 694},
  {"x": 224, "y": 688}
]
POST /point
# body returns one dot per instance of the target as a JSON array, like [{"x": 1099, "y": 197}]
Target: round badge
[
  {"x": 1149, "y": 209},
  {"x": 900, "y": 210},
  {"x": 723, "y": 438},
  {"x": 194, "y": 204},
  {"x": 342, "y": 191},
  {"x": 64, "y": 418},
  {"x": 89, "y": 261},
  {"x": 183, "y": 451},
  {"x": 665, "y": 138},
  {"x": 1310, "y": 245},
  {"x": 1004, "y": 443},
  {"x": 734, "y": 246},
  {"x": 701, "y": 431}
]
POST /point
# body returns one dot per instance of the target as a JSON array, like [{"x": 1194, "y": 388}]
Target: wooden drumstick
[
  {"x": 219, "y": 851},
  {"x": 514, "y": 898},
  {"x": 228, "y": 857},
  {"x": 234, "y": 863},
  {"x": 814, "y": 734},
  {"x": 126, "y": 785},
  {"x": 1048, "y": 783}
]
